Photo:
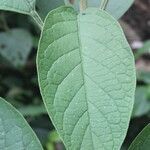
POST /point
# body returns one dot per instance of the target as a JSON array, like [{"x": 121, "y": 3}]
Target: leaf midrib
[{"x": 82, "y": 70}]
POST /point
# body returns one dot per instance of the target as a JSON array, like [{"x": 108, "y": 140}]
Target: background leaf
[
  {"x": 15, "y": 131},
  {"x": 142, "y": 104},
  {"x": 44, "y": 7},
  {"x": 19, "y": 42},
  {"x": 87, "y": 78},
  {"x": 116, "y": 8},
  {"x": 21, "y": 6},
  {"x": 142, "y": 141}
]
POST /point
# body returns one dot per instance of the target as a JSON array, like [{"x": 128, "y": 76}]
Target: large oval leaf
[
  {"x": 15, "y": 133},
  {"x": 116, "y": 8},
  {"x": 87, "y": 78},
  {"x": 21, "y": 6},
  {"x": 142, "y": 141}
]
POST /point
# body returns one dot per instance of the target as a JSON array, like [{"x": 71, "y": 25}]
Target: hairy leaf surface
[
  {"x": 87, "y": 78},
  {"x": 15, "y": 133},
  {"x": 142, "y": 141},
  {"x": 21, "y": 6}
]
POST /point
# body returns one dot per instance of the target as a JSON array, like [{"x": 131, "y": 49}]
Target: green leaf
[
  {"x": 15, "y": 133},
  {"x": 142, "y": 105},
  {"x": 21, "y": 6},
  {"x": 142, "y": 141},
  {"x": 87, "y": 78},
  {"x": 116, "y": 8},
  {"x": 15, "y": 46},
  {"x": 44, "y": 7}
]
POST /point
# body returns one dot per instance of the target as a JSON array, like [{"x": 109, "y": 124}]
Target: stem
[
  {"x": 103, "y": 4},
  {"x": 83, "y": 5},
  {"x": 37, "y": 18},
  {"x": 71, "y": 2}
]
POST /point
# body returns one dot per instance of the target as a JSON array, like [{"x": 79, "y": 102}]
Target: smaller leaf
[
  {"x": 142, "y": 141},
  {"x": 21, "y": 6},
  {"x": 15, "y": 46},
  {"x": 141, "y": 105},
  {"x": 15, "y": 133}
]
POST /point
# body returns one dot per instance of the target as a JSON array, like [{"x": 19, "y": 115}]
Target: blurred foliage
[
  {"x": 54, "y": 141},
  {"x": 19, "y": 38},
  {"x": 142, "y": 104},
  {"x": 20, "y": 42},
  {"x": 143, "y": 50}
]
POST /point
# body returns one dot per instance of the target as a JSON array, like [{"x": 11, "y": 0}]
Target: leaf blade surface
[
  {"x": 21, "y": 6},
  {"x": 82, "y": 76},
  {"x": 15, "y": 131}
]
